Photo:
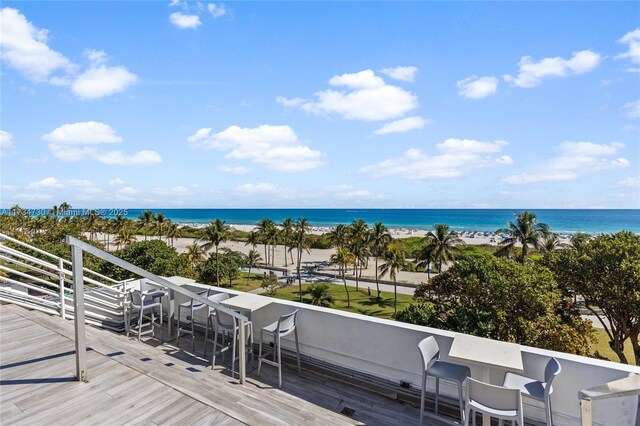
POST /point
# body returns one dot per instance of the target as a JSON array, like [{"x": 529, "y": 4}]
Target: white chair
[
  {"x": 535, "y": 389},
  {"x": 229, "y": 327},
  {"x": 285, "y": 325},
  {"x": 137, "y": 308},
  {"x": 495, "y": 401},
  {"x": 432, "y": 366},
  {"x": 217, "y": 298},
  {"x": 193, "y": 306}
]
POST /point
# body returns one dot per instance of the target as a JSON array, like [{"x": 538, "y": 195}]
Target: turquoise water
[{"x": 590, "y": 221}]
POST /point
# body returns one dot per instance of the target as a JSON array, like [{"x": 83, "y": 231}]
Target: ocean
[{"x": 562, "y": 221}]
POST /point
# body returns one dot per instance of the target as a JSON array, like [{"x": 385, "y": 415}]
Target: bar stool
[
  {"x": 432, "y": 366},
  {"x": 137, "y": 307},
  {"x": 281, "y": 328},
  {"x": 193, "y": 307},
  {"x": 496, "y": 401},
  {"x": 229, "y": 327},
  {"x": 216, "y": 298},
  {"x": 535, "y": 389}
]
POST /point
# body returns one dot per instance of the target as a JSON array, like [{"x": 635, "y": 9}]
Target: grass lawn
[
  {"x": 602, "y": 346},
  {"x": 240, "y": 284},
  {"x": 361, "y": 303}
]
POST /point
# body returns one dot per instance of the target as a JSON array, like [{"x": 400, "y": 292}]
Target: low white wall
[{"x": 388, "y": 349}]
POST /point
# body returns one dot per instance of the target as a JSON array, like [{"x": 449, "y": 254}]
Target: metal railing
[
  {"x": 77, "y": 249},
  {"x": 628, "y": 386},
  {"x": 47, "y": 283}
]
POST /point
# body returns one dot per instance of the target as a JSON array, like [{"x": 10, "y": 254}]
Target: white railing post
[
  {"x": 78, "y": 314},
  {"x": 243, "y": 352},
  {"x": 63, "y": 314},
  {"x": 585, "y": 412}
]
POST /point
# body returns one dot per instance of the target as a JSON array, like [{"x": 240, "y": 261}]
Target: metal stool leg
[{"x": 295, "y": 332}]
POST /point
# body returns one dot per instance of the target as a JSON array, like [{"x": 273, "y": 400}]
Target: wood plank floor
[{"x": 133, "y": 382}]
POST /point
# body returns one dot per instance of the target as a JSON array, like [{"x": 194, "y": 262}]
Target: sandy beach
[{"x": 316, "y": 256}]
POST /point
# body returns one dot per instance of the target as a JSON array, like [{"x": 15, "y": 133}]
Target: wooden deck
[{"x": 133, "y": 382}]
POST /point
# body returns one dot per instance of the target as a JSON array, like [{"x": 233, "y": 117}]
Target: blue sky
[{"x": 157, "y": 104}]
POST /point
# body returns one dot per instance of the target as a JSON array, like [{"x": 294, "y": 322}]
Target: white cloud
[
  {"x": 401, "y": 73},
  {"x": 24, "y": 47},
  {"x": 259, "y": 189},
  {"x": 234, "y": 170},
  {"x": 53, "y": 183},
  {"x": 217, "y": 10},
  {"x": 6, "y": 143},
  {"x": 96, "y": 57},
  {"x": 581, "y": 149},
  {"x": 360, "y": 80},
  {"x": 277, "y": 193},
  {"x": 46, "y": 183},
  {"x": 632, "y": 40},
  {"x": 33, "y": 197},
  {"x": 457, "y": 157},
  {"x": 402, "y": 125},
  {"x": 575, "y": 159},
  {"x": 78, "y": 141},
  {"x": 177, "y": 190},
  {"x": 360, "y": 195},
  {"x": 632, "y": 109},
  {"x": 183, "y": 20},
  {"x": 367, "y": 97},
  {"x": 100, "y": 80},
  {"x": 631, "y": 182},
  {"x": 475, "y": 87},
  {"x": 200, "y": 135},
  {"x": 85, "y": 133},
  {"x": 276, "y": 147},
  {"x": 116, "y": 182},
  {"x": 294, "y": 102},
  {"x": 119, "y": 158},
  {"x": 532, "y": 73}
]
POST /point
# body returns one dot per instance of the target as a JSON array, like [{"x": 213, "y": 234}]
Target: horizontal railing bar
[
  {"x": 31, "y": 267},
  {"x": 23, "y": 295},
  {"x": 34, "y": 288},
  {"x": 72, "y": 241},
  {"x": 57, "y": 258},
  {"x": 24, "y": 275},
  {"x": 43, "y": 263}
]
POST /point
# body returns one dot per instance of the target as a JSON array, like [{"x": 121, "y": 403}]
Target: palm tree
[
  {"x": 253, "y": 239},
  {"x": 64, "y": 207},
  {"x": 159, "y": 220},
  {"x": 300, "y": 242},
  {"x": 173, "y": 232},
  {"x": 343, "y": 257},
  {"x": 287, "y": 232},
  {"x": 145, "y": 220},
  {"x": 92, "y": 222},
  {"x": 578, "y": 241},
  {"x": 55, "y": 210},
  {"x": 551, "y": 242},
  {"x": 125, "y": 236},
  {"x": 379, "y": 239},
  {"x": 394, "y": 261},
  {"x": 442, "y": 243},
  {"x": 253, "y": 257},
  {"x": 339, "y": 236},
  {"x": 360, "y": 250},
  {"x": 526, "y": 230},
  {"x": 265, "y": 229},
  {"x": 217, "y": 232},
  {"x": 194, "y": 253},
  {"x": 426, "y": 258},
  {"x": 320, "y": 295}
]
